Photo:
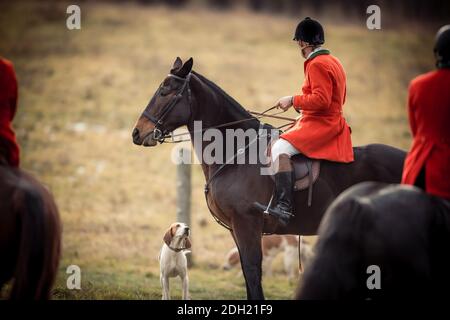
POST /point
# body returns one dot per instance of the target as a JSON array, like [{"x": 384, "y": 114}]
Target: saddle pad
[
  {"x": 302, "y": 173},
  {"x": 303, "y": 183}
]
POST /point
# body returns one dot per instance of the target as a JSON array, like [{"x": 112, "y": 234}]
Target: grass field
[{"x": 81, "y": 92}]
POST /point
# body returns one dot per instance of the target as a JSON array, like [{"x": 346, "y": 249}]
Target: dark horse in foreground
[
  {"x": 399, "y": 229},
  {"x": 30, "y": 235},
  {"x": 186, "y": 96}
]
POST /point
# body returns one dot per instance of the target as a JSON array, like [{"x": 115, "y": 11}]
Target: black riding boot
[
  {"x": 281, "y": 204},
  {"x": 283, "y": 197}
]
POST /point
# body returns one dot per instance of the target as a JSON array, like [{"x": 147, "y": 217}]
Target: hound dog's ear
[
  {"x": 187, "y": 243},
  {"x": 168, "y": 236}
]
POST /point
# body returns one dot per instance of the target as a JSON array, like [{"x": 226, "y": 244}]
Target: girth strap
[{"x": 311, "y": 182}]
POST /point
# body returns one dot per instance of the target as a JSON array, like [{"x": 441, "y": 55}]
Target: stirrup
[
  {"x": 284, "y": 214},
  {"x": 263, "y": 208},
  {"x": 267, "y": 210}
]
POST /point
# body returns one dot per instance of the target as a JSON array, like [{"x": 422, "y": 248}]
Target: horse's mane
[{"x": 236, "y": 105}]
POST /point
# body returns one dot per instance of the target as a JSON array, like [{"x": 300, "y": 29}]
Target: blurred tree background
[{"x": 429, "y": 12}]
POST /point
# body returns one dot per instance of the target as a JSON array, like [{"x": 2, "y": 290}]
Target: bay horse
[
  {"x": 401, "y": 230},
  {"x": 30, "y": 235},
  {"x": 231, "y": 190}
]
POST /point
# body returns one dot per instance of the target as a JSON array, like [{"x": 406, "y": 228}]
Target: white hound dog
[{"x": 172, "y": 258}]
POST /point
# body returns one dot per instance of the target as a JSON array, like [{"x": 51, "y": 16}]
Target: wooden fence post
[{"x": 184, "y": 192}]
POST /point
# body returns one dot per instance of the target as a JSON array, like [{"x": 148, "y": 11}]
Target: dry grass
[{"x": 81, "y": 91}]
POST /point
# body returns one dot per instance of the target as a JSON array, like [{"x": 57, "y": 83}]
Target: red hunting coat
[
  {"x": 429, "y": 118},
  {"x": 8, "y": 106},
  {"x": 322, "y": 132}
]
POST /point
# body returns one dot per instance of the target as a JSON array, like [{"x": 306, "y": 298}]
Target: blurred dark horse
[
  {"x": 184, "y": 97},
  {"x": 399, "y": 229},
  {"x": 30, "y": 235}
]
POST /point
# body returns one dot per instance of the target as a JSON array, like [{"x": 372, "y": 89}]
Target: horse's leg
[{"x": 247, "y": 235}]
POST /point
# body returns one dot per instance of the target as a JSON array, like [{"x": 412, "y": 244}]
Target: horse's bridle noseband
[{"x": 159, "y": 133}]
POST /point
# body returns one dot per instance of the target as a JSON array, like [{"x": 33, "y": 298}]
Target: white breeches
[{"x": 282, "y": 146}]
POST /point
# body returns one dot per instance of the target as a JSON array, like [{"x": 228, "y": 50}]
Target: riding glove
[{"x": 285, "y": 102}]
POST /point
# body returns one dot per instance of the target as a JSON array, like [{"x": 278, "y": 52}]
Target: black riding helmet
[
  {"x": 442, "y": 47},
  {"x": 310, "y": 31}
]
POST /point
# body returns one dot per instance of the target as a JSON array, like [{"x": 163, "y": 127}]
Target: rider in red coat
[
  {"x": 9, "y": 150},
  {"x": 428, "y": 162},
  {"x": 321, "y": 132}
]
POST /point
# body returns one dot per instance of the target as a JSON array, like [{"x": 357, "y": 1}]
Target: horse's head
[{"x": 169, "y": 107}]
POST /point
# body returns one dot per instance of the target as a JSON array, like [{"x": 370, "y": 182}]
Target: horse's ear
[
  {"x": 177, "y": 64},
  {"x": 168, "y": 236},
  {"x": 186, "y": 68}
]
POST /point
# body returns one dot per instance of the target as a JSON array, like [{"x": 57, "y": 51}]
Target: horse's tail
[{"x": 39, "y": 243}]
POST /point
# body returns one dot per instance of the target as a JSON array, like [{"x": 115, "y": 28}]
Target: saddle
[{"x": 306, "y": 172}]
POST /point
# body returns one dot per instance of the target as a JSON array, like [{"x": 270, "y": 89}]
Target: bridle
[{"x": 159, "y": 132}]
